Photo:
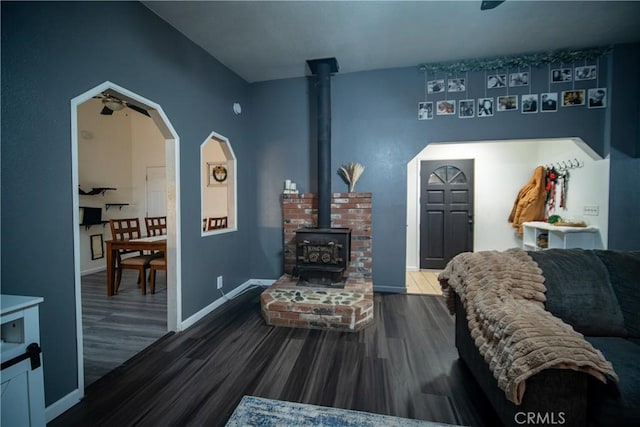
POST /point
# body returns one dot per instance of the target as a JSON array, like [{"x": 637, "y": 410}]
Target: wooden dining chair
[
  {"x": 215, "y": 223},
  {"x": 156, "y": 264},
  {"x": 156, "y": 225},
  {"x": 127, "y": 229}
]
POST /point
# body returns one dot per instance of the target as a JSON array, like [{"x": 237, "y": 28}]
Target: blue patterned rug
[{"x": 257, "y": 411}]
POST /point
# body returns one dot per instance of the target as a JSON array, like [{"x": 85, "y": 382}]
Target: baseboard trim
[
  {"x": 56, "y": 409},
  {"x": 412, "y": 268},
  {"x": 93, "y": 270},
  {"x": 217, "y": 303},
  {"x": 390, "y": 289}
]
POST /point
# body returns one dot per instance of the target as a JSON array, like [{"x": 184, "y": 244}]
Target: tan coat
[{"x": 529, "y": 205}]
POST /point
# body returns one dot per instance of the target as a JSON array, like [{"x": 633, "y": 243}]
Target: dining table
[{"x": 151, "y": 243}]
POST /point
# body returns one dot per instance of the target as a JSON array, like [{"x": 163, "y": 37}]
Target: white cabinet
[
  {"x": 558, "y": 237},
  {"x": 21, "y": 375}
]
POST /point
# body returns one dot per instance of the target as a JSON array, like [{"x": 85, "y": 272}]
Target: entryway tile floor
[{"x": 423, "y": 282}]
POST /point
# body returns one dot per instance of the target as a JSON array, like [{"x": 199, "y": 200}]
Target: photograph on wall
[
  {"x": 445, "y": 108},
  {"x": 561, "y": 75},
  {"x": 425, "y": 110},
  {"x": 508, "y": 103},
  {"x": 549, "y": 102},
  {"x": 597, "y": 97},
  {"x": 485, "y": 107},
  {"x": 529, "y": 103},
  {"x": 518, "y": 79},
  {"x": 455, "y": 85},
  {"x": 435, "y": 86},
  {"x": 217, "y": 173},
  {"x": 466, "y": 108},
  {"x": 495, "y": 81},
  {"x": 588, "y": 72},
  {"x": 97, "y": 249},
  {"x": 572, "y": 98}
]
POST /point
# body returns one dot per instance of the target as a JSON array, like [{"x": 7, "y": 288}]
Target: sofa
[{"x": 597, "y": 293}]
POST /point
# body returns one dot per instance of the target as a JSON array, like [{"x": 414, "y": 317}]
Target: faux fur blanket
[{"x": 503, "y": 295}]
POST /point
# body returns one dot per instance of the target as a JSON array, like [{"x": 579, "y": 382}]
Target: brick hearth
[{"x": 350, "y": 308}]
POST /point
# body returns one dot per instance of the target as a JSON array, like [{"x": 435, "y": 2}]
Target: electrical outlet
[
  {"x": 219, "y": 282},
  {"x": 592, "y": 210}
]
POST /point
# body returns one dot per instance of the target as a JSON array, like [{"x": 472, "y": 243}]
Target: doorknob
[{"x": 470, "y": 220}]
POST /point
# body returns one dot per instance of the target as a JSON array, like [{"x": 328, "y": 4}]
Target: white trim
[
  {"x": 174, "y": 283},
  {"x": 93, "y": 270},
  {"x": 412, "y": 268},
  {"x": 217, "y": 303},
  {"x": 57, "y": 408}
]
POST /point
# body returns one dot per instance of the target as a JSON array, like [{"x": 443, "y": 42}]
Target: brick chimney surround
[{"x": 348, "y": 309}]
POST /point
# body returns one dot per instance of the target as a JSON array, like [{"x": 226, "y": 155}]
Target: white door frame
[{"x": 174, "y": 285}]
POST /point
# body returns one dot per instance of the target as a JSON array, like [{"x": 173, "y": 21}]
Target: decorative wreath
[{"x": 220, "y": 173}]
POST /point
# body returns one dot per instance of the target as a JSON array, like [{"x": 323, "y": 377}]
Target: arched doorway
[{"x": 137, "y": 103}]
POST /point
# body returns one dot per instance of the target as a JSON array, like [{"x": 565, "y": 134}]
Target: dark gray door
[{"x": 446, "y": 211}]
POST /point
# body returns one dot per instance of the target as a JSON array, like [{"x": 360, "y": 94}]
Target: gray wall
[
  {"x": 53, "y": 52},
  {"x": 375, "y": 123}
]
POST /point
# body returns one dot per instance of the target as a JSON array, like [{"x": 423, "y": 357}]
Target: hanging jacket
[{"x": 529, "y": 205}]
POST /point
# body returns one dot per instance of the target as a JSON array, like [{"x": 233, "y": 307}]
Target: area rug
[{"x": 257, "y": 411}]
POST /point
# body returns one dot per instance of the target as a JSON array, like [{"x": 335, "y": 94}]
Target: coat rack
[{"x": 566, "y": 165}]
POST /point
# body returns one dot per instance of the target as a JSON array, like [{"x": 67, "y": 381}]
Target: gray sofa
[{"x": 597, "y": 292}]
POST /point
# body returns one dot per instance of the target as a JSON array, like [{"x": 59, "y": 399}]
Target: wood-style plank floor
[
  {"x": 116, "y": 328},
  {"x": 404, "y": 365},
  {"x": 423, "y": 282}
]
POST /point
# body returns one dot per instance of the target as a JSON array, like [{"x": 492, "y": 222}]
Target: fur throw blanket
[{"x": 503, "y": 294}]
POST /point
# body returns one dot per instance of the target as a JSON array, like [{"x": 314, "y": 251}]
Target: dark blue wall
[
  {"x": 375, "y": 123},
  {"x": 53, "y": 52}
]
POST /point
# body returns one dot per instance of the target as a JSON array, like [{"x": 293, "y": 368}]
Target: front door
[{"x": 446, "y": 211}]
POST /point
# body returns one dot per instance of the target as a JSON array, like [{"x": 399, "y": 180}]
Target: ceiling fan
[
  {"x": 486, "y": 5},
  {"x": 111, "y": 103}
]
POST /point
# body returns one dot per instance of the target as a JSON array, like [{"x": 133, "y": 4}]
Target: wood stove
[{"x": 322, "y": 256}]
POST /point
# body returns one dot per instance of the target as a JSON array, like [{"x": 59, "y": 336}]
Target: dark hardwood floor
[
  {"x": 404, "y": 365},
  {"x": 116, "y": 328}
]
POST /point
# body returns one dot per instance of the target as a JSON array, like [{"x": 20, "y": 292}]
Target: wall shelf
[
  {"x": 95, "y": 190},
  {"x": 558, "y": 237},
  {"x": 118, "y": 205}
]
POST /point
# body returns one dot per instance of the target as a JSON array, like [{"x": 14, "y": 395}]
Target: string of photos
[
  {"x": 557, "y": 178},
  {"x": 448, "y": 85}
]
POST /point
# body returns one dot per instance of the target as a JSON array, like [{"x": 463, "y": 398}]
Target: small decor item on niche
[
  {"x": 219, "y": 173},
  {"x": 290, "y": 187},
  {"x": 351, "y": 172}
]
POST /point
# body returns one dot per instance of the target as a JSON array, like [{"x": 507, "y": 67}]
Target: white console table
[
  {"x": 21, "y": 375},
  {"x": 559, "y": 237}
]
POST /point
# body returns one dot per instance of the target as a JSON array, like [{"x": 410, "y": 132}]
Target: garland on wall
[{"x": 564, "y": 56}]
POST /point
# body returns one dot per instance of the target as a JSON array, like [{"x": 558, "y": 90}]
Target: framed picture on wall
[
  {"x": 561, "y": 75},
  {"x": 508, "y": 103},
  {"x": 485, "y": 107},
  {"x": 425, "y": 110},
  {"x": 549, "y": 102},
  {"x": 456, "y": 85},
  {"x": 588, "y": 72},
  {"x": 217, "y": 174},
  {"x": 466, "y": 108},
  {"x": 529, "y": 103},
  {"x": 97, "y": 250},
  {"x": 445, "y": 108},
  {"x": 435, "y": 86},
  {"x": 572, "y": 98},
  {"x": 518, "y": 79},
  {"x": 495, "y": 81},
  {"x": 597, "y": 97}
]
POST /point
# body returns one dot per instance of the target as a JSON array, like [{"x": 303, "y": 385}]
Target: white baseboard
[
  {"x": 93, "y": 270},
  {"x": 56, "y": 409},
  {"x": 412, "y": 268},
  {"x": 217, "y": 303}
]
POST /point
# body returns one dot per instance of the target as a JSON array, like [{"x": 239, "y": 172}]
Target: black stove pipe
[{"x": 323, "y": 68}]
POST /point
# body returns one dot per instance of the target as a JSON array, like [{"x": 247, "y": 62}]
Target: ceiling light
[{"x": 113, "y": 104}]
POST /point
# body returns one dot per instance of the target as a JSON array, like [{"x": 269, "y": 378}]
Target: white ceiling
[{"x": 264, "y": 40}]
